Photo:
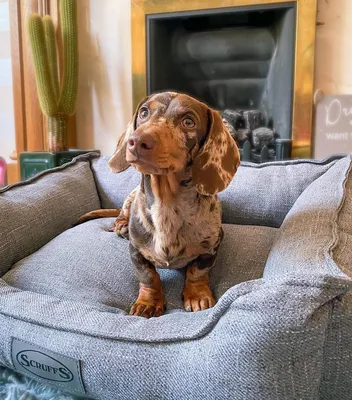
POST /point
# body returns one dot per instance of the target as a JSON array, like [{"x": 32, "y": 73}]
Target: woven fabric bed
[{"x": 280, "y": 328}]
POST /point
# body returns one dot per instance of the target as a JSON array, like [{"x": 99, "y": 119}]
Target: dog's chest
[{"x": 181, "y": 231}]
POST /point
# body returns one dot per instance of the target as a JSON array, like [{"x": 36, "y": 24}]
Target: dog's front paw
[
  {"x": 142, "y": 309},
  {"x": 120, "y": 227},
  {"x": 149, "y": 304},
  {"x": 197, "y": 298}
]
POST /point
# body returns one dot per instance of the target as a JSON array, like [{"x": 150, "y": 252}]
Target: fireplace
[{"x": 251, "y": 60}]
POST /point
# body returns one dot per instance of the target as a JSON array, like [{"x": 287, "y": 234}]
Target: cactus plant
[{"x": 57, "y": 101}]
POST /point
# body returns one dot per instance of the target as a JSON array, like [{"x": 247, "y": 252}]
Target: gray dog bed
[{"x": 280, "y": 328}]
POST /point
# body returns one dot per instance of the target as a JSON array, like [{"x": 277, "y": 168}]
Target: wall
[
  {"x": 105, "y": 99},
  {"x": 7, "y": 126},
  {"x": 104, "y": 104},
  {"x": 334, "y": 47}
]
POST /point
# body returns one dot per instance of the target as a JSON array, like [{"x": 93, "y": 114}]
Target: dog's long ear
[
  {"x": 118, "y": 162},
  {"x": 217, "y": 160}
]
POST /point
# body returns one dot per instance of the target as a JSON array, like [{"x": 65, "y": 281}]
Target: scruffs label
[{"x": 51, "y": 367}]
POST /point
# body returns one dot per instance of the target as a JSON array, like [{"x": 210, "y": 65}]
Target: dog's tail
[{"x": 103, "y": 213}]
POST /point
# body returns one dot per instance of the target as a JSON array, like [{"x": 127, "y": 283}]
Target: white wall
[
  {"x": 104, "y": 104},
  {"x": 334, "y": 47},
  {"x": 105, "y": 98},
  {"x": 7, "y": 121}
]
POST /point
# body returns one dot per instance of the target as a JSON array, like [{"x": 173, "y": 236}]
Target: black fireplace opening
[{"x": 239, "y": 60}]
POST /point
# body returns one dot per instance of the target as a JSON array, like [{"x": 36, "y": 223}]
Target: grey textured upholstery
[
  {"x": 280, "y": 328},
  {"x": 97, "y": 262},
  {"x": 34, "y": 212},
  {"x": 260, "y": 194}
]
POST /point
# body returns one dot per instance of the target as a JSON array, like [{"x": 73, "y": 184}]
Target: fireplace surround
[{"x": 240, "y": 57}]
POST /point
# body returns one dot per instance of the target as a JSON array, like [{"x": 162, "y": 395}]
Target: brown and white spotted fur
[{"x": 173, "y": 218}]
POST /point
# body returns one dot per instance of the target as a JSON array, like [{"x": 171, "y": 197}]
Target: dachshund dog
[{"x": 173, "y": 218}]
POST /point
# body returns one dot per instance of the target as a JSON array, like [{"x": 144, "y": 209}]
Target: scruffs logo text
[{"x": 47, "y": 367}]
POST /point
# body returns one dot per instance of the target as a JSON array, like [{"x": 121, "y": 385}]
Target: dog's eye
[
  {"x": 188, "y": 123},
  {"x": 143, "y": 113}
]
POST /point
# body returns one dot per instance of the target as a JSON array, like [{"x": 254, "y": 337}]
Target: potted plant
[{"x": 57, "y": 99}]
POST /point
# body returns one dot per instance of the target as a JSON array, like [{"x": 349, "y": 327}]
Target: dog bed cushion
[
  {"x": 265, "y": 338},
  {"x": 91, "y": 265},
  {"x": 259, "y": 194},
  {"x": 322, "y": 215},
  {"x": 35, "y": 211}
]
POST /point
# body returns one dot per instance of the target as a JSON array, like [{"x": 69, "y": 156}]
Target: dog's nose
[{"x": 141, "y": 143}]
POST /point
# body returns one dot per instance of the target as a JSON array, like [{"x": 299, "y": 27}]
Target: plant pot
[{"x": 33, "y": 162}]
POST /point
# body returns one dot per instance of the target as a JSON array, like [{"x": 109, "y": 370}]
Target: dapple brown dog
[{"x": 173, "y": 218}]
